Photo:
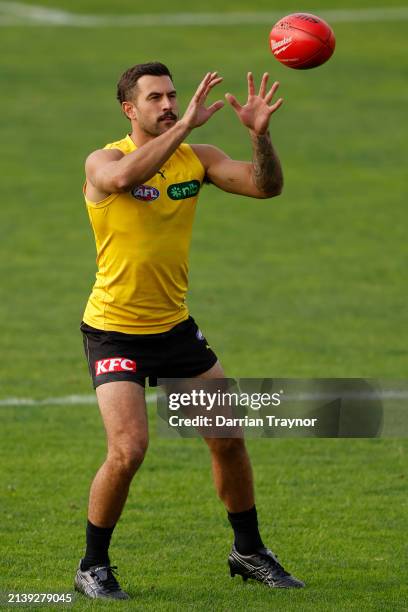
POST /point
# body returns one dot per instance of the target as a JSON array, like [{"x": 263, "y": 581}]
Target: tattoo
[{"x": 266, "y": 167}]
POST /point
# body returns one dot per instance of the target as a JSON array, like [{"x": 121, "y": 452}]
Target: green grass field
[{"x": 309, "y": 284}]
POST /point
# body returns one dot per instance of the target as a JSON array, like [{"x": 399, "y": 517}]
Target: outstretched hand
[
  {"x": 256, "y": 113},
  {"x": 197, "y": 114}
]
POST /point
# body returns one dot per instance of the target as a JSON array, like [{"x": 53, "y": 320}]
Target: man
[{"x": 141, "y": 193}]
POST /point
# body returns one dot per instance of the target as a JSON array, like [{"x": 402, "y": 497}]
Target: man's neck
[{"x": 140, "y": 138}]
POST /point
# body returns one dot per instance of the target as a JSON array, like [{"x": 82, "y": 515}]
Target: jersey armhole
[
  {"x": 101, "y": 203},
  {"x": 199, "y": 161}
]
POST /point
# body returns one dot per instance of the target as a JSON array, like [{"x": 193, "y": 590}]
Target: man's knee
[
  {"x": 226, "y": 446},
  {"x": 127, "y": 458}
]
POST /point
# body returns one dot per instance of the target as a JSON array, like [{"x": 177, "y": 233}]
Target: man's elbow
[
  {"x": 125, "y": 182},
  {"x": 120, "y": 184}
]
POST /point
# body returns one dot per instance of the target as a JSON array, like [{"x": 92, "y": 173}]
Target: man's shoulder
[
  {"x": 102, "y": 156},
  {"x": 124, "y": 145},
  {"x": 112, "y": 151}
]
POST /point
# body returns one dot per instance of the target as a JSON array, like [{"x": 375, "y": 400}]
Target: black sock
[
  {"x": 97, "y": 545},
  {"x": 245, "y": 526}
]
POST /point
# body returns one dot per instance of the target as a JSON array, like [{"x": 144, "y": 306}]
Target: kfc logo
[{"x": 114, "y": 364}]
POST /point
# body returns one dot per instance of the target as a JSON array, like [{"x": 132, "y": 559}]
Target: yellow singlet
[{"x": 142, "y": 243}]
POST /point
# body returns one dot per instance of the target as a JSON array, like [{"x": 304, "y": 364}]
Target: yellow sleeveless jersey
[{"x": 142, "y": 243}]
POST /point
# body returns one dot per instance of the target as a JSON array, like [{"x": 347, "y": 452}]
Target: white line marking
[
  {"x": 29, "y": 401},
  {"x": 18, "y": 13},
  {"x": 76, "y": 400},
  {"x": 388, "y": 394}
]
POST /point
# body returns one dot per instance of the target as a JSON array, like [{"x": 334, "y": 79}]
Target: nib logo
[{"x": 114, "y": 364}]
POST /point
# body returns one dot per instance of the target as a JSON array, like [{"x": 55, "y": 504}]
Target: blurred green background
[
  {"x": 312, "y": 283},
  {"x": 309, "y": 284}
]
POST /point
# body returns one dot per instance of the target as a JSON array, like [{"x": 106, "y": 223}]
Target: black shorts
[{"x": 181, "y": 352}]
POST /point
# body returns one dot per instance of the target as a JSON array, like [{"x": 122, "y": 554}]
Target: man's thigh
[{"x": 123, "y": 408}]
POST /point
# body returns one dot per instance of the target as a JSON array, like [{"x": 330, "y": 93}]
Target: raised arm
[
  {"x": 263, "y": 177},
  {"x": 110, "y": 171}
]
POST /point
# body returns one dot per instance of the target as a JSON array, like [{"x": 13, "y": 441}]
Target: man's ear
[{"x": 129, "y": 109}]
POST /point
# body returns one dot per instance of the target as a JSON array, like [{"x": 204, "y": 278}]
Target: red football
[{"x": 302, "y": 41}]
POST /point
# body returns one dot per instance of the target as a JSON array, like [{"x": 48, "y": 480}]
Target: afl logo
[{"x": 145, "y": 193}]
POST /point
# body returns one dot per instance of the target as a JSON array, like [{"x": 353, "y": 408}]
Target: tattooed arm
[
  {"x": 260, "y": 179},
  {"x": 266, "y": 167},
  {"x": 263, "y": 177}
]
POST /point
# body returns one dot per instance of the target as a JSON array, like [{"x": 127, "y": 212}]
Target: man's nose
[{"x": 167, "y": 102}]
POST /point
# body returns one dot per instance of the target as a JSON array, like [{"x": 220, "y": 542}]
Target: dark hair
[{"x": 129, "y": 78}]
